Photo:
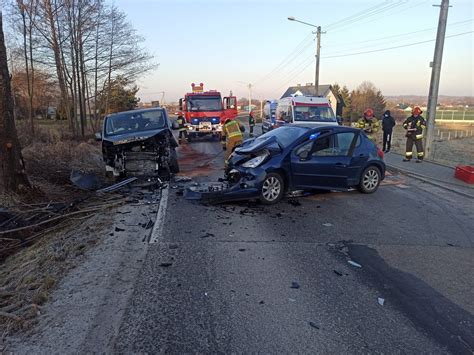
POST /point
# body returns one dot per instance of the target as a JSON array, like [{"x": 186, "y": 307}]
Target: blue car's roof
[{"x": 331, "y": 128}]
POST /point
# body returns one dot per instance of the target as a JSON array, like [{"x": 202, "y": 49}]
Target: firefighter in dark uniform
[
  {"x": 183, "y": 131},
  {"x": 251, "y": 123},
  {"x": 415, "y": 126},
  {"x": 231, "y": 136}
]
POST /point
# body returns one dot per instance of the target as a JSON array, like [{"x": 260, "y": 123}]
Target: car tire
[
  {"x": 174, "y": 166},
  {"x": 370, "y": 180},
  {"x": 273, "y": 188}
]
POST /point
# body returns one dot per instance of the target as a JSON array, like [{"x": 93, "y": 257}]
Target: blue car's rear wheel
[
  {"x": 370, "y": 180},
  {"x": 273, "y": 188}
]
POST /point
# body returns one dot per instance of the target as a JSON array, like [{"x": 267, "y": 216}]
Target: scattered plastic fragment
[
  {"x": 166, "y": 264},
  {"x": 291, "y": 300},
  {"x": 381, "y": 301},
  {"x": 242, "y": 249},
  {"x": 338, "y": 273},
  {"x": 84, "y": 180},
  {"x": 117, "y": 229},
  {"x": 295, "y": 285},
  {"x": 353, "y": 263},
  {"x": 117, "y": 185},
  {"x": 182, "y": 179},
  {"x": 207, "y": 235},
  {"x": 294, "y": 202},
  {"x": 327, "y": 224},
  {"x": 261, "y": 302},
  {"x": 314, "y": 325}
]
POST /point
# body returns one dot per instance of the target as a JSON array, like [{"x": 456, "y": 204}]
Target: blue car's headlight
[
  {"x": 215, "y": 120},
  {"x": 258, "y": 160},
  {"x": 195, "y": 121}
]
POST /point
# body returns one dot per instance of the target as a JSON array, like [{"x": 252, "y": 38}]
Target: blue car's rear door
[{"x": 328, "y": 163}]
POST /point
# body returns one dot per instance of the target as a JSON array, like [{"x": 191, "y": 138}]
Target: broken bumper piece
[{"x": 239, "y": 185}]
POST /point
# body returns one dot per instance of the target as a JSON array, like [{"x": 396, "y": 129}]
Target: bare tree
[{"x": 12, "y": 167}]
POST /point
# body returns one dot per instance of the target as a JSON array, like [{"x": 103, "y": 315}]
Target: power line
[
  {"x": 363, "y": 15},
  {"x": 397, "y": 35},
  {"x": 395, "y": 47},
  {"x": 303, "y": 45}
]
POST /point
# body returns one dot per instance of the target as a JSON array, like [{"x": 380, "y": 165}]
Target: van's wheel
[
  {"x": 273, "y": 188},
  {"x": 370, "y": 180}
]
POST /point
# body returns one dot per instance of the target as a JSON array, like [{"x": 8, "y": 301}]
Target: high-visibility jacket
[
  {"x": 181, "y": 123},
  {"x": 418, "y": 123},
  {"x": 232, "y": 129},
  {"x": 369, "y": 125}
]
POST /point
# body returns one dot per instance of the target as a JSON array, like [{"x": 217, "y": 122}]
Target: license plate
[{"x": 205, "y": 126}]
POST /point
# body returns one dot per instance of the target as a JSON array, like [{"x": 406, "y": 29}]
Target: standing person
[
  {"x": 415, "y": 126},
  {"x": 183, "y": 133},
  {"x": 231, "y": 136},
  {"x": 369, "y": 124},
  {"x": 251, "y": 123},
  {"x": 388, "y": 122}
]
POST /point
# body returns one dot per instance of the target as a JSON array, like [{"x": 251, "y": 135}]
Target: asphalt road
[{"x": 247, "y": 278}]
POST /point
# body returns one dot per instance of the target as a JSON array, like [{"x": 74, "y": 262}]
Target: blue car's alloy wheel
[{"x": 272, "y": 189}]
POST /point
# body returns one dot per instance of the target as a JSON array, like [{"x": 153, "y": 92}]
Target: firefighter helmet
[
  {"x": 369, "y": 113},
  {"x": 416, "y": 111}
]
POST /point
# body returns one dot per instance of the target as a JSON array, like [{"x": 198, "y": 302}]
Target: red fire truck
[{"x": 206, "y": 111}]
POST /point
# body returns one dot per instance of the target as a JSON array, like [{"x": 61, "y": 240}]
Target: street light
[{"x": 318, "y": 49}]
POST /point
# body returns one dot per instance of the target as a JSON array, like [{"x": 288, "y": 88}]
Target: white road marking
[{"x": 160, "y": 217}]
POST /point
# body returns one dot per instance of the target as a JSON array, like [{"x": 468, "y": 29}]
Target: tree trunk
[
  {"x": 12, "y": 167},
  {"x": 64, "y": 103}
]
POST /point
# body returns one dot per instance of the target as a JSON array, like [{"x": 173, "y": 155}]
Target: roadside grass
[
  {"x": 28, "y": 277},
  {"x": 448, "y": 152},
  {"x": 52, "y": 152}
]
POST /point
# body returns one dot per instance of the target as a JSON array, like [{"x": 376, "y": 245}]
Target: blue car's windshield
[
  {"x": 284, "y": 135},
  {"x": 134, "y": 121}
]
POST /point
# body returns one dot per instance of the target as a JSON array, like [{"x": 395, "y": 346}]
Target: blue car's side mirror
[{"x": 304, "y": 155}]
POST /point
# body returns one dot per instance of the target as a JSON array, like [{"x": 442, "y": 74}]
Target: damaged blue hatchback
[{"x": 293, "y": 158}]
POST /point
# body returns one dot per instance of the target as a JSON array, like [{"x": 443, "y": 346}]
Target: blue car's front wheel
[{"x": 273, "y": 188}]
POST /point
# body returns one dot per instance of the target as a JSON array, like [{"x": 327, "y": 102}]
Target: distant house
[{"x": 335, "y": 100}]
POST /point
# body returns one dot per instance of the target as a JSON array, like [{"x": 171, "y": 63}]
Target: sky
[{"x": 227, "y": 44}]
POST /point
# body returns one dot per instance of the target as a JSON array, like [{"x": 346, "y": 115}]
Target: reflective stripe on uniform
[
  {"x": 420, "y": 154},
  {"x": 408, "y": 154},
  {"x": 232, "y": 129},
  {"x": 419, "y": 136}
]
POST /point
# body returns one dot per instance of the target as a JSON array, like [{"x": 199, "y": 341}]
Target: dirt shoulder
[{"x": 82, "y": 277}]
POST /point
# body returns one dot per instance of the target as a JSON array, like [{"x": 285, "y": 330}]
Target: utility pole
[
  {"x": 435, "y": 75},
  {"x": 318, "y": 51}
]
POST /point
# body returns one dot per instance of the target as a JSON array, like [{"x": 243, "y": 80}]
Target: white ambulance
[{"x": 305, "y": 110}]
